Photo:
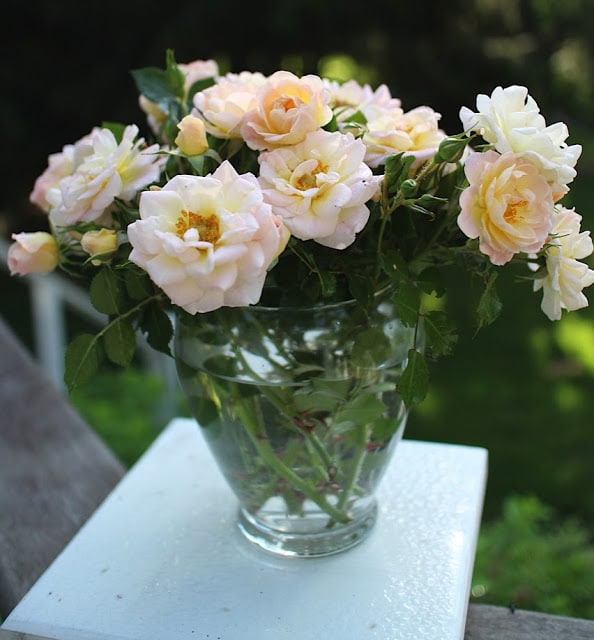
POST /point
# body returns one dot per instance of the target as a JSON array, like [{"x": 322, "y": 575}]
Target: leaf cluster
[{"x": 133, "y": 306}]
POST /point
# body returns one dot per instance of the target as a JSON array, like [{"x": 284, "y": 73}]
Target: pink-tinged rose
[
  {"x": 198, "y": 70},
  {"x": 508, "y": 205},
  {"x": 191, "y": 139},
  {"x": 110, "y": 170},
  {"x": 33, "y": 253},
  {"x": 391, "y": 131},
  {"x": 99, "y": 242},
  {"x": 348, "y": 98},
  {"x": 510, "y": 120},
  {"x": 288, "y": 108},
  {"x": 224, "y": 105},
  {"x": 320, "y": 187},
  {"x": 60, "y": 165},
  {"x": 207, "y": 241},
  {"x": 566, "y": 276}
]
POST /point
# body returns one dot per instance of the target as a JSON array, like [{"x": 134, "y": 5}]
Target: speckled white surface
[{"x": 160, "y": 559}]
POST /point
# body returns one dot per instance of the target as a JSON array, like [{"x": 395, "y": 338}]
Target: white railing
[{"x": 50, "y": 295}]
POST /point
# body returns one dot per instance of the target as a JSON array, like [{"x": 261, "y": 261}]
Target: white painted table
[{"x": 161, "y": 559}]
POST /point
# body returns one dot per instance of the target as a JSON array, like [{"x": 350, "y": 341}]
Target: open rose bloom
[{"x": 321, "y": 190}]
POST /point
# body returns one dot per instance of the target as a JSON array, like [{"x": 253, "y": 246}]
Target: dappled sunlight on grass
[{"x": 575, "y": 337}]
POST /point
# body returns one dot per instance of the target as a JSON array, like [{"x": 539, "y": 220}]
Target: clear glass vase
[{"x": 300, "y": 409}]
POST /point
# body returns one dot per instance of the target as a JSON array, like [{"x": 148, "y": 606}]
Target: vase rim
[{"x": 264, "y": 308}]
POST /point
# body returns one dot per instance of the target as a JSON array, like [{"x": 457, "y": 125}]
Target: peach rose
[
  {"x": 223, "y": 106},
  {"x": 391, "y": 131},
  {"x": 288, "y": 108},
  {"x": 510, "y": 120},
  {"x": 508, "y": 205}
]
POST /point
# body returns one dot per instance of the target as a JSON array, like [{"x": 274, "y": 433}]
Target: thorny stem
[{"x": 277, "y": 465}]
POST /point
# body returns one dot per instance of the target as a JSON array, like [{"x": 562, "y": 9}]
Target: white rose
[
  {"x": 223, "y": 106},
  {"x": 510, "y": 120},
  {"x": 566, "y": 275},
  {"x": 110, "y": 170},
  {"x": 207, "y": 241},
  {"x": 320, "y": 187}
]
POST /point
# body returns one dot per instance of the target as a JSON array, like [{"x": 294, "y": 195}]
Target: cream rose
[
  {"x": 110, "y": 170},
  {"x": 223, "y": 106},
  {"x": 391, "y": 131},
  {"x": 566, "y": 276},
  {"x": 287, "y": 109},
  {"x": 508, "y": 205},
  {"x": 510, "y": 120},
  {"x": 35, "y": 252},
  {"x": 349, "y": 97},
  {"x": 319, "y": 187},
  {"x": 207, "y": 241}
]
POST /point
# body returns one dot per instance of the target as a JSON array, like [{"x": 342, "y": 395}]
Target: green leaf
[
  {"x": 440, "y": 333},
  {"x": 432, "y": 281},
  {"x": 414, "y": 383},
  {"x": 370, "y": 348},
  {"x": 337, "y": 388},
  {"x": 138, "y": 284},
  {"x": 428, "y": 200},
  {"x": 107, "y": 292},
  {"x": 154, "y": 84},
  {"x": 81, "y": 360},
  {"x": 158, "y": 328},
  {"x": 489, "y": 306},
  {"x": 397, "y": 169},
  {"x": 327, "y": 282},
  {"x": 360, "y": 289},
  {"x": 199, "y": 86},
  {"x": 364, "y": 409},
  {"x": 119, "y": 340},
  {"x": 175, "y": 77},
  {"x": 395, "y": 266},
  {"x": 407, "y": 300},
  {"x": 383, "y": 429},
  {"x": 308, "y": 400}
]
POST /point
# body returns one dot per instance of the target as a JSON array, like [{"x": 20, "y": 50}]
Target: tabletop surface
[{"x": 162, "y": 558}]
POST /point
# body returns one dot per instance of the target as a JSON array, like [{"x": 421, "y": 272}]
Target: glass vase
[{"x": 299, "y": 408}]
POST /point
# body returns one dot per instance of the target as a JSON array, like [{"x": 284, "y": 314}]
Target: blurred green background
[{"x": 522, "y": 388}]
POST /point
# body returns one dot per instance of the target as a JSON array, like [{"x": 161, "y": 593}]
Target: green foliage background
[{"x": 521, "y": 388}]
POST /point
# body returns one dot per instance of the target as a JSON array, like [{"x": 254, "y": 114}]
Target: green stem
[
  {"x": 263, "y": 447},
  {"x": 355, "y": 469}
]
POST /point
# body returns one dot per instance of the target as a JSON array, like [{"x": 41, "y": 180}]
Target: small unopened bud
[
  {"x": 191, "y": 139},
  {"x": 451, "y": 149},
  {"x": 35, "y": 252},
  {"x": 409, "y": 187},
  {"x": 100, "y": 242}
]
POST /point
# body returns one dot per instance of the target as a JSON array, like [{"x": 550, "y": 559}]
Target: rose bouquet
[
  {"x": 324, "y": 190},
  {"x": 295, "y": 193}
]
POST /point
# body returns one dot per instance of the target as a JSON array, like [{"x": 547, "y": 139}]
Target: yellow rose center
[
  {"x": 208, "y": 226},
  {"x": 511, "y": 214},
  {"x": 286, "y": 103},
  {"x": 308, "y": 180}
]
